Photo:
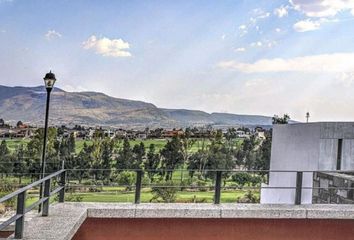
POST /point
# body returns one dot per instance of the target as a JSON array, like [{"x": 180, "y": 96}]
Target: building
[{"x": 323, "y": 146}]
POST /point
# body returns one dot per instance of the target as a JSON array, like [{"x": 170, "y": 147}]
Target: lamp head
[{"x": 49, "y": 80}]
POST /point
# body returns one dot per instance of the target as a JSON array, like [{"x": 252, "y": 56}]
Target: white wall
[{"x": 306, "y": 147}]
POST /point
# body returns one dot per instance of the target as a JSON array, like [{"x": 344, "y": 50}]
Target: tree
[
  {"x": 19, "y": 123},
  {"x": 5, "y": 159},
  {"x": 219, "y": 156},
  {"x": 197, "y": 162},
  {"x": 281, "y": 120},
  {"x": 263, "y": 161},
  {"x": 171, "y": 157},
  {"x": 125, "y": 156},
  {"x": 187, "y": 144},
  {"x": 79, "y": 163},
  {"x": 138, "y": 155},
  {"x": 2, "y": 122},
  {"x": 106, "y": 156},
  {"x": 20, "y": 166},
  {"x": 71, "y": 143},
  {"x": 152, "y": 162}
]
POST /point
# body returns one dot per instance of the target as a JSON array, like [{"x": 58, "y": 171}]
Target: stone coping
[{"x": 65, "y": 218}]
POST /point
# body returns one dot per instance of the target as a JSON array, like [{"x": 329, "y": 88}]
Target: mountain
[{"x": 92, "y": 108}]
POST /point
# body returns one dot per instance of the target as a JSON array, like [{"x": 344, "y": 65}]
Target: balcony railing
[
  {"x": 217, "y": 183},
  {"x": 21, "y": 208}
]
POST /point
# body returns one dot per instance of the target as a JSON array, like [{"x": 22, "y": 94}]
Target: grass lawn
[
  {"x": 159, "y": 143},
  {"x": 182, "y": 196}
]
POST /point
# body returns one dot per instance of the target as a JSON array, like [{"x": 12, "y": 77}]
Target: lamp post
[{"x": 49, "y": 81}]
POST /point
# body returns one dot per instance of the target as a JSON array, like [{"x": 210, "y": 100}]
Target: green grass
[
  {"x": 182, "y": 196},
  {"x": 12, "y": 144},
  {"x": 159, "y": 143}
]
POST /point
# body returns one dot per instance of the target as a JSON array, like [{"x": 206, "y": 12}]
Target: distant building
[{"x": 323, "y": 146}]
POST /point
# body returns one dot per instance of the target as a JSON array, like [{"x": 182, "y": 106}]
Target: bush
[
  {"x": 164, "y": 192},
  {"x": 127, "y": 179},
  {"x": 7, "y": 187},
  {"x": 249, "y": 197},
  {"x": 241, "y": 178}
]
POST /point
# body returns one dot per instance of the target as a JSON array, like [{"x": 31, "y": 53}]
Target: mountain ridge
[{"x": 95, "y": 108}]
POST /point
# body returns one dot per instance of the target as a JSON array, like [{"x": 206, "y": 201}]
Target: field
[
  {"x": 159, "y": 143},
  {"x": 110, "y": 195}
]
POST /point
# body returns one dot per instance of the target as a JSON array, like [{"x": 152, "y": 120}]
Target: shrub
[
  {"x": 127, "y": 179},
  {"x": 241, "y": 178},
  {"x": 249, "y": 197},
  {"x": 164, "y": 192},
  {"x": 7, "y": 187}
]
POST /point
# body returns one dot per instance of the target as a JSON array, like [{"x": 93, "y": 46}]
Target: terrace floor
[{"x": 192, "y": 221}]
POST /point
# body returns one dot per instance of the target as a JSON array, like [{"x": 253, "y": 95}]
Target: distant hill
[{"x": 92, "y": 108}]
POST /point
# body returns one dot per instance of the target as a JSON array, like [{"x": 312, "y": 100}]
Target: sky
[{"x": 234, "y": 56}]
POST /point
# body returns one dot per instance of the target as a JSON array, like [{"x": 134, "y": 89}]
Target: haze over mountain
[{"x": 93, "y": 108}]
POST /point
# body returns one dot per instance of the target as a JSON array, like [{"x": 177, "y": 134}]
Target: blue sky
[{"x": 251, "y": 57}]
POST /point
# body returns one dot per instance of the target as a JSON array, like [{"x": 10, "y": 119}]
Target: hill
[{"x": 93, "y": 108}]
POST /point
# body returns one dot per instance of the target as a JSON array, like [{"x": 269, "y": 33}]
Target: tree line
[{"x": 105, "y": 158}]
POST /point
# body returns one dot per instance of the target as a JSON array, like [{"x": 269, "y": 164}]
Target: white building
[{"x": 307, "y": 147}]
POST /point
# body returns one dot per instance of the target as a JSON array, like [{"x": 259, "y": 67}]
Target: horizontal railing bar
[
  {"x": 33, "y": 205},
  {"x": 21, "y": 190},
  {"x": 9, "y": 221},
  {"x": 208, "y": 186},
  {"x": 56, "y": 190},
  {"x": 213, "y": 170}
]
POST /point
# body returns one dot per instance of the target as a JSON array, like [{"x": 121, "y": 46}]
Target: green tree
[
  {"x": 124, "y": 159},
  {"x": 171, "y": 157},
  {"x": 152, "y": 162},
  {"x": 138, "y": 155},
  {"x": 187, "y": 144},
  {"x": 20, "y": 166},
  {"x": 281, "y": 120},
  {"x": 79, "y": 164},
  {"x": 5, "y": 159}
]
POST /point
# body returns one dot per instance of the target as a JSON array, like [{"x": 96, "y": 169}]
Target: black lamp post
[{"x": 49, "y": 81}]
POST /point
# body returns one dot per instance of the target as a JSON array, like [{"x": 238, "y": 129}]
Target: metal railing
[
  {"x": 21, "y": 208},
  {"x": 216, "y": 177},
  {"x": 217, "y": 181}
]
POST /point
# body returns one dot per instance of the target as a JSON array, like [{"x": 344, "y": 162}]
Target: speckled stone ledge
[{"x": 66, "y": 218}]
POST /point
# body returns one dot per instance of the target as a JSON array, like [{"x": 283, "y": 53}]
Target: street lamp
[{"x": 49, "y": 81}]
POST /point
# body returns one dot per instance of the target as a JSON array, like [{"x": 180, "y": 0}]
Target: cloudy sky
[{"x": 251, "y": 57}]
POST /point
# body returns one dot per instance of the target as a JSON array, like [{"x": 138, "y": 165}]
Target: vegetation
[{"x": 172, "y": 167}]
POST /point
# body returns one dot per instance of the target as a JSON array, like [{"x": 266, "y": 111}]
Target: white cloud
[
  {"x": 278, "y": 30},
  {"x": 256, "y": 44},
  {"x": 52, "y": 34},
  {"x": 223, "y": 36},
  {"x": 322, "y": 8},
  {"x": 311, "y": 25},
  {"x": 281, "y": 11},
  {"x": 307, "y": 25},
  {"x": 241, "y": 49},
  {"x": 330, "y": 63},
  {"x": 260, "y": 13},
  {"x": 242, "y": 27},
  {"x": 107, "y": 47},
  {"x": 346, "y": 79}
]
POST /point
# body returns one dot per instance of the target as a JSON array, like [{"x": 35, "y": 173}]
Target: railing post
[
  {"x": 62, "y": 183},
  {"x": 298, "y": 190},
  {"x": 139, "y": 175},
  {"x": 46, "y": 194},
  {"x": 20, "y": 210},
  {"x": 217, "y": 187}
]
